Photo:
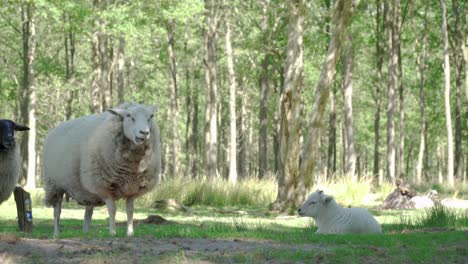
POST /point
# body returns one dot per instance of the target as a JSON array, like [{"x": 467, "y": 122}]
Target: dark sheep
[{"x": 10, "y": 160}]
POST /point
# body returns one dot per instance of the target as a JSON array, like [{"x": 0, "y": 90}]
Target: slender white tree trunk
[
  {"x": 31, "y": 177},
  {"x": 350, "y": 165},
  {"x": 232, "y": 105},
  {"x": 422, "y": 101},
  {"x": 448, "y": 117}
]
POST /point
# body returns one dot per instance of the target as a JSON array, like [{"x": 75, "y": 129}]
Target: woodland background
[{"x": 292, "y": 91}]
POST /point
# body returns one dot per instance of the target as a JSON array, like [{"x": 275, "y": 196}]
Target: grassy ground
[{"x": 253, "y": 234}]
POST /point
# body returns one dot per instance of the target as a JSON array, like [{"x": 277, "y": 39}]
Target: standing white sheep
[
  {"x": 10, "y": 160},
  {"x": 100, "y": 158},
  {"x": 334, "y": 219}
]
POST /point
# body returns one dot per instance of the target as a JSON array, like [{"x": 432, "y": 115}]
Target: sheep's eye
[
  {"x": 129, "y": 116},
  {"x": 312, "y": 202}
]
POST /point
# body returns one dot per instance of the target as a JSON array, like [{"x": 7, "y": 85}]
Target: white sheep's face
[
  {"x": 314, "y": 204},
  {"x": 136, "y": 122}
]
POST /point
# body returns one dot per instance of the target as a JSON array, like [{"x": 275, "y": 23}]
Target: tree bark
[
  {"x": 121, "y": 70},
  {"x": 194, "y": 131},
  {"x": 380, "y": 29},
  {"x": 401, "y": 151},
  {"x": 175, "y": 145},
  {"x": 391, "y": 87},
  {"x": 211, "y": 35},
  {"x": 69, "y": 38},
  {"x": 448, "y": 117},
  {"x": 232, "y": 105},
  {"x": 291, "y": 99},
  {"x": 242, "y": 166},
  {"x": 342, "y": 18},
  {"x": 31, "y": 176},
  {"x": 422, "y": 101},
  {"x": 350, "y": 165},
  {"x": 331, "y": 160},
  {"x": 96, "y": 106},
  {"x": 264, "y": 90},
  {"x": 457, "y": 53},
  {"x": 331, "y": 157},
  {"x": 104, "y": 59}
]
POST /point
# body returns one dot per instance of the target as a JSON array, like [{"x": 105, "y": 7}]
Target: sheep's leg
[
  {"x": 57, "y": 211},
  {"x": 111, "y": 210},
  {"x": 87, "y": 218},
  {"x": 129, "y": 210}
]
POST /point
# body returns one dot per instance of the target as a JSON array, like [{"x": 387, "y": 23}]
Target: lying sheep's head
[
  {"x": 7, "y": 133},
  {"x": 314, "y": 204},
  {"x": 136, "y": 122}
]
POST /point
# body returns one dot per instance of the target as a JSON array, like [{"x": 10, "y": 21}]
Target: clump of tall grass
[
  {"x": 438, "y": 216},
  {"x": 354, "y": 193},
  {"x": 256, "y": 192},
  {"x": 214, "y": 192}
]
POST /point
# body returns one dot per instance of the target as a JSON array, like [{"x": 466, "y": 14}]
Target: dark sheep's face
[{"x": 7, "y": 133}]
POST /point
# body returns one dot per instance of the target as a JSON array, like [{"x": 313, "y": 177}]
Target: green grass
[{"x": 438, "y": 235}]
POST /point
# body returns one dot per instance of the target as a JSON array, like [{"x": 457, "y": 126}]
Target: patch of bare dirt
[{"x": 128, "y": 250}]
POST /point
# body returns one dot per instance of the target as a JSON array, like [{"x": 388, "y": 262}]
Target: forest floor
[
  {"x": 190, "y": 242},
  {"x": 241, "y": 234},
  {"x": 148, "y": 249},
  {"x": 142, "y": 250}
]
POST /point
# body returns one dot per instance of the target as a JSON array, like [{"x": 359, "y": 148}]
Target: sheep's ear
[
  {"x": 18, "y": 127},
  {"x": 117, "y": 111},
  {"x": 153, "y": 109},
  {"x": 328, "y": 199}
]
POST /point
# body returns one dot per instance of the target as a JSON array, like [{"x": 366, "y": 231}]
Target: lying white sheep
[
  {"x": 100, "y": 158},
  {"x": 334, "y": 219},
  {"x": 10, "y": 160}
]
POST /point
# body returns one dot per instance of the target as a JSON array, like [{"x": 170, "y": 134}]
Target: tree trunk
[
  {"x": 242, "y": 167},
  {"x": 104, "y": 59},
  {"x": 331, "y": 160},
  {"x": 392, "y": 45},
  {"x": 69, "y": 38},
  {"x": 331, "y": 157},
  {"x": 440, "y": 162},
  {"x": 232, "y": 105},
  {"x": 350, "y": 165},
  {"x": 96, "y": 106},
  {"x": 24, "y": 108},
  {"x": 175, "y": 146},
  {"x": 448, "y": 118},
  {"x": 264, "y": 90},
  {"x": 457, "y": 52},
  {"x": 121, "y": 70},
  {"x": 465, "y": 58},
  {"x": 380, "y": 29},
  {"x": 422, "y": 101},
  {"x": 401, "y": 151},
  {"x": 342, "y": 18},
  {"x": 194, "y": 134},
  {"x": 211, "y": 35},
  {"x": 31, "y": 56},
  {"x": 291, "y": 99}
]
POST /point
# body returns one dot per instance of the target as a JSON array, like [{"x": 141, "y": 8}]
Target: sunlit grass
[{"x": 404, "y": 238}]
